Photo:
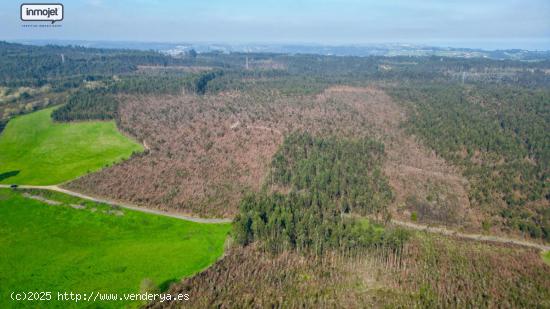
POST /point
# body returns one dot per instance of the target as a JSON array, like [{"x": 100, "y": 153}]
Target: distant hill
[{"x": 318, "y": 49}]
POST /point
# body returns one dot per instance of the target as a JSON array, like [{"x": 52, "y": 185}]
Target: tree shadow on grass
[
  {"x": 7, "y": 175},
  {"x": 166, "y": 284}
]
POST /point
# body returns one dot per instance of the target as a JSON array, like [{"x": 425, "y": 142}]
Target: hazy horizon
[
  {"x": 488, "y": 46},
  {"x": 492, "y": 24}
]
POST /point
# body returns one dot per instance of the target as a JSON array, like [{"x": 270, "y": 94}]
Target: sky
[{"x": 489, "y": 24}]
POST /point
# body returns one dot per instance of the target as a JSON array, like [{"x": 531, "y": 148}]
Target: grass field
[
  {"x": 37, "y": 151},
  {"x": 546, "y": 257},
  {"x": 46, "y": 247}
]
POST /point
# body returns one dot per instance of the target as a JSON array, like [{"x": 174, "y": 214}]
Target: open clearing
[
  {"x": 115, "y": 249},
  {"x": 37, "y": 151}
]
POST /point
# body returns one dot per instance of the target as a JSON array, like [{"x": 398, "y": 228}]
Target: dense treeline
[
  {"x": 347, "y": 171},
  {"x": 525, "y": 114},
  {"x": 499, "y": 136},
  {"x": 358, "y": 70},
  {"x": 330, "y": 179},
  {"x": 145, "y": 84},
  {"x": 196, "y": 83},
  {"x": 268, "y": 80},
  {"x": 25, "y": 65},
  {"x": 200, "y": 82},
  {"x": 87, "y": 104},
  {"x": 101, "y": 103},
  {"x": 3, "y": 124},
  {"x": 306, "y": 222}
]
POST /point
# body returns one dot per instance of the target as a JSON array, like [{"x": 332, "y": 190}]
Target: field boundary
[{"x": 124, "y": 205}]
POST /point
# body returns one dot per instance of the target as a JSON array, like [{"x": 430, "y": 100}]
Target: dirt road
[
  {"x": 123, "y": 205},
  {"x": 477, "y": 237},
  {"x": 415, "y": 226}
]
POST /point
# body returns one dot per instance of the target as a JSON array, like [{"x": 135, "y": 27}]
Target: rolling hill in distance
[{"x": 360, "y": 50}]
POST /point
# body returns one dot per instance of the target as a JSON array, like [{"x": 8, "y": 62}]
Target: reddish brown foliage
[
  {"x": 249, "y": 278},
  {"x": 196, "y": 162},
  {"x": 430, "y": 272},
  {"x": 466, "y": 274},
  {"x": 205, "y": 151}
]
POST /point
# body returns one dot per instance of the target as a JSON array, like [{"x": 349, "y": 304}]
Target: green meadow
[
  {"x": 82, "y": 246},
  {"x": 36, "y": 151}
]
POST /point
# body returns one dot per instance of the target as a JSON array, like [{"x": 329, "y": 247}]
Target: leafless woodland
[{"x": 205, "y": 151}]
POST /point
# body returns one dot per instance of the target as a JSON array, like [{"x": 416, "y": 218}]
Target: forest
[
  {"x": 62, "y": 65},
  {"x": 330, "y": 180},
  {"x": 475, "y": 124},
  {"x": 499, "y": 136},
  {"x": 101, "y": 103},
  {"x": 35, "y": 77},
  {"x": 348, "y": 172}
]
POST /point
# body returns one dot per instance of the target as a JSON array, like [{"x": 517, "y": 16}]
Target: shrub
[
  {"x": 414, "y": 216},
  {"x": 148, "y": 286}
]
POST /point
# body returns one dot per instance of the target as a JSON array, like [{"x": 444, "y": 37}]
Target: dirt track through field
[
  {"x": 410, "y": 225},
  {"x": 124, "y": 205}
]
